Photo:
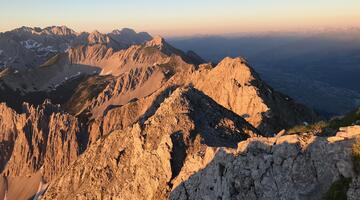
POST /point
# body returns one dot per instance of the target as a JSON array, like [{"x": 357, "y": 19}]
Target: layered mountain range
[
  {"x": 30, "y": 47},
  {"x": 125, "y": 115}
]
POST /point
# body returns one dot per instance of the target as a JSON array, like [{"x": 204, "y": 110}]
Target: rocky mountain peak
[
  {"x": 60, "y": 30},
  {"x": 236, "y": 86},
  {"x": 127, "y": 31},
  {"x": 96, "y": 37},
  {"x": 24, "y": 29},
  {"x": 156, "y": 41},
  {"x": 242, "y": 71},
  {"x": 50, "y": 30}
]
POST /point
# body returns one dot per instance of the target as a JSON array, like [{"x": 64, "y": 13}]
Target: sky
[{"x": 182, "y": 17}]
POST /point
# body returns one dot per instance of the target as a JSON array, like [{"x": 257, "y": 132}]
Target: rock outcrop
[
  {"x": 42, "y": 139},
  {"x": 8, "y": 133},
  {"x": 284, "y": 167}
]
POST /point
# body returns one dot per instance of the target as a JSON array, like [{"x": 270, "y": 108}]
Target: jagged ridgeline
[{"x": 125, "y": 115}]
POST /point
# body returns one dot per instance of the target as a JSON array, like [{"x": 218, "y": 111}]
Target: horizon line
[{"x": 309, "y": 30}]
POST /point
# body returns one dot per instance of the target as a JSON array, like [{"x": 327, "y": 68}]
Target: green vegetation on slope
[
  {"x": 347, "y": 120},
  {"x": 356, "y": 156},
  {"x": 329, "y": 127},
  {"x": 338, "y": 189}
]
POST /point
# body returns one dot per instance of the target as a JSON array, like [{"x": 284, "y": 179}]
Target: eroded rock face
[
  {"x": 8, "y": 134},
  {"x": 43, "y": 138},
  {"x": 147, "y": 160}
]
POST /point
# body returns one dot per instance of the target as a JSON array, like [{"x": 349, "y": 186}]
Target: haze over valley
[{"x": 319, "y": 69}]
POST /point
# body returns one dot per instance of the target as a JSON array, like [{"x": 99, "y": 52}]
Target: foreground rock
[{"x": 285, "y": 167}]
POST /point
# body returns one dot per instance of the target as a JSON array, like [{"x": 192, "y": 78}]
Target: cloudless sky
[{"x": 181, "y": 17}]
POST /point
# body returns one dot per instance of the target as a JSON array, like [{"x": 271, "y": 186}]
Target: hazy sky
[{"x": 181, "y": 17}]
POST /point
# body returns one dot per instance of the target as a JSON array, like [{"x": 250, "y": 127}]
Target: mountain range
[{"x": 126, "y": 115}]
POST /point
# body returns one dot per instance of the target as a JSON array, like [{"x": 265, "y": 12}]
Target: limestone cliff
[{"x": 41, "y": 139}]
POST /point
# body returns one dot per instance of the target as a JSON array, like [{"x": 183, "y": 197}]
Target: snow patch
[
  {"x": 245, "y": 116},
  {"x": 67, "y": 47},
  {"x": 31, "y": 44},
  {"x": 102, "y": 73},
  {"x": 268, "y": 114},
  {"x": 67, "y": 78},
  {"x": 48, "y": 49},
  {"x": 41, "y": 190}
]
